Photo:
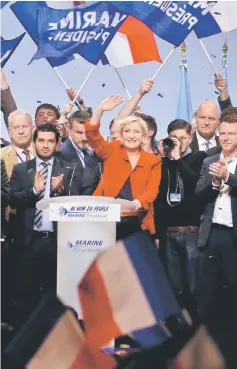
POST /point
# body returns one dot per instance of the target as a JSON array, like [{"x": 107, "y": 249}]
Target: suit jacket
[
  {"x": 194, "y": 144},
  {"x": 144, "y": 179},
  {"x": 208, "y": 195},
  {"x": 24, "y": 200},
  {"x": 8, "y": 154},
  {"x": 5, "y": 197},
  {"x": 90, "y": 174}
]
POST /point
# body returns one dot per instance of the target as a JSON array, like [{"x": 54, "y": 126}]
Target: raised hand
[
  {"x": 110, "y": 103},
  {"x": 220, "y": 82},
  {"x": 39, "y": 181},
  {"x": 146, "y": 86}
]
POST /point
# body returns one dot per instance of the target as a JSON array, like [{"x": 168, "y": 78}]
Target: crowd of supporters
[{"x": 183, "y": 190}]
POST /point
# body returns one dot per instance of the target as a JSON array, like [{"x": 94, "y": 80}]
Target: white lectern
[{"x": 86, "y": 225}]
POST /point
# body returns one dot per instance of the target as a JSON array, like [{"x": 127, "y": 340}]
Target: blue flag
[
  {"x": 26, "y": 12},
  {"x": 184, "y": 104},
  {"x": 8, "y": 47},
  {"x": 170, "y": 20},
  {"x": 3, "y": 3},
  {"x": 86, "y": 31}
]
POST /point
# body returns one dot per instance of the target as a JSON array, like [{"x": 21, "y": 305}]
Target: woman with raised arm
[{"x": 130, "y": 173}]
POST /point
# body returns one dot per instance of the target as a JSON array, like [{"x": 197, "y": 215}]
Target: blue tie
[{"x": 207, "y": 144}]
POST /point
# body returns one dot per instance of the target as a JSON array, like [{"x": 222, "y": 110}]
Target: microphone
[
  {"x": 101, "y": 178},
  {"x": 69, "y": 188}
]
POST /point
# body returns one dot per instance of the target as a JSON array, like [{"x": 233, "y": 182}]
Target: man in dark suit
[
  {"x": 35, "y": 243},
  {"x": 217, "y": 188},
  {"x": 206, "y": 119},
  {"x": 76, "y": 150}
]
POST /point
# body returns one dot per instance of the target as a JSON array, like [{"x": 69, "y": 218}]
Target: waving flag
[
  {"x": 129, "y": 296},
  {"x": 133, "y": 43},
  {"x": 87, "y": 31},
  {"x": 222, "y": 17},
  {"x": 8, "y": 47},
  {"x": 52, "y": 338},
  {"x": 26, "y": 12},
  {"x": 170, "y": 20}
]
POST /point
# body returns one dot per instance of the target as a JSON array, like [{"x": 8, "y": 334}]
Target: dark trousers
[
  {"x": 36, "y": 273},
  {"x": 182, "y": 259},
  {"x": 218, "y": 268}
]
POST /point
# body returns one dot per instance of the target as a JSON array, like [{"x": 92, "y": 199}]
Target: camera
[{"x": 168, "y": 144}]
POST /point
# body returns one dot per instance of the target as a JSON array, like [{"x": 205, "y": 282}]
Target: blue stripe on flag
[
  {"x": 8, "y": 47},
  {"x": 3, "y": 3},
  {"x": 151, "y": 336},
  {"x": 143, "y": 255}
]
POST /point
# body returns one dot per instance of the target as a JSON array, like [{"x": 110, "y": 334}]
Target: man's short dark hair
[
  {"x": 80, "y": 116},
  {"x": 49, "y": 107},
  {"x": 46, "y": 127},
  {"x": 179, "y": 124},
  {"x": 229, "y": 115},
  {"x": 150, "y": 121}
]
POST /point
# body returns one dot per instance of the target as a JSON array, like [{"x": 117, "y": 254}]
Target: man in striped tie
[{"x": 34, "y": 233}]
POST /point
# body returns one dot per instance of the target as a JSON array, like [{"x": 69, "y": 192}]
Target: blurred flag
[
  {"x": 184, "y": 104},
  {"x": 86, "y": 32},
  {"x": 26, "y": 12},
  {"x": 133, "y": 43},
  {"x": 129, "y": 296},
  {"x": 3, "y": 3},
  {"x": 200, "y": 352},
  {"x": 52, "y": 338},
  {"x": 222, "y": 17},
  {"x": 170, "y": 20},
  {"x": 8, "y": 47}
]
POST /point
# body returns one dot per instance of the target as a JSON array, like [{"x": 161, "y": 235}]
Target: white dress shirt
[
  {"x": 202, "y": 142},
  {"x": 21, "y": 158},
  {"x": 222, "y": 210}
]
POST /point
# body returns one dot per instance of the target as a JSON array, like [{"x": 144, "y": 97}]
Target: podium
[{"x": 86, "y": 226}]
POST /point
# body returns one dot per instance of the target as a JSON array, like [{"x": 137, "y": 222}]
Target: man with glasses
[{"x": 178, "y": 213}]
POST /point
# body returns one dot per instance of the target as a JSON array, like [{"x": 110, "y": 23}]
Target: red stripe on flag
[
  {"x": 100, "y": 326},
  {"x": 141, "y": 39}
]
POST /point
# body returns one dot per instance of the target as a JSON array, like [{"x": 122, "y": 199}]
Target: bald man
[{"x": 207, "y": 120}]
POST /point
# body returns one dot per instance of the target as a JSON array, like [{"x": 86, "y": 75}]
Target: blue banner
[
  {"x": 26, "y": 12},
  {"x": 87, "y": 31},
  {"x": 8, "y": 47},
  {"x": 170, "y": 20}
]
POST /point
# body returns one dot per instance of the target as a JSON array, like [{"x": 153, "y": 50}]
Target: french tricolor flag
[
  {"x": 133, "y": 43},
  {"x": 126, "y": 291}
]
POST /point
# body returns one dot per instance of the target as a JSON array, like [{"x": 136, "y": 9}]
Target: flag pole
[
  {"x": 208, "y": 56},
  {"x": 123, "y": 83},
  {"x": 84, "y": 82},
  {"x": 60, "y": 77},
  {"x": 164, "y": 62}
]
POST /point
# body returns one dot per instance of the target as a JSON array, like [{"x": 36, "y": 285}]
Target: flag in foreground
[
  {"x": 126, "y": 291},
  {"x": 52, "y": 338},
  {"x": 133, "y": 43},
  {"x": 8, "y": 47}
]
